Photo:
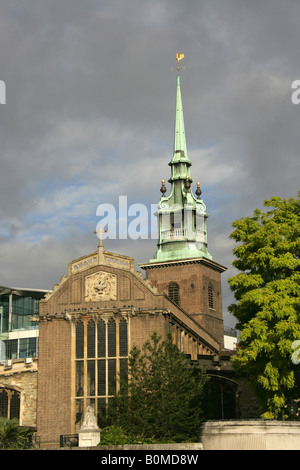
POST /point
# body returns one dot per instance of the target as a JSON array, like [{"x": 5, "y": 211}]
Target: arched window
[
  {"x": 9, "y": 403},
  {"x": 173, "y": 292},
  {"x": 101, "y": 355}
]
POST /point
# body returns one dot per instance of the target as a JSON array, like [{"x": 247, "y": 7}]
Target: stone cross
[{"x": 99, "y": 232}]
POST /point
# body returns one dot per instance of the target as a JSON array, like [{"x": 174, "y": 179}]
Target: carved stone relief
[{"x": 100, "y": 286}]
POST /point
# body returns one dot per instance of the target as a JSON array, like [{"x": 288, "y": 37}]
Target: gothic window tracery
[
  {"x": 101, "y": 354},
  {"x": 9, "y": 403}
]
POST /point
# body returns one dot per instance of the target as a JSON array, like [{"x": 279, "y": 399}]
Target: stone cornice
[{"x": 163, "y": 264}]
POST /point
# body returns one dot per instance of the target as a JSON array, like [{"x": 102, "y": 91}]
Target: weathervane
[{"x": 179, "y": 57}]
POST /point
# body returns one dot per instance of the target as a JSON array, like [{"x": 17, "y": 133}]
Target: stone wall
[
  {"x": 22, "y": 376},
  {"x": 250, "y": 435}
]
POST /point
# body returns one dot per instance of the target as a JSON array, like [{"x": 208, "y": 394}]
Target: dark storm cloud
[{"x": 90, "y": 111}]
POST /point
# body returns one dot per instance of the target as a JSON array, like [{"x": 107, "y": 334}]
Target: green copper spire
[
  {"x": 181, "y": 214},
  {"x": 180, "y": 162},
  {"x": 179, "y": 137}
]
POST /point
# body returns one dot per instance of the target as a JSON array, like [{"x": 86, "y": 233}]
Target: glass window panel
[
  {"x": 14, "y": 321},
  {"x": 123, "y": 373},
  {"x": 79, "y": 379},
  {"x": 3, "y": 403},
  {"x": 4, "y": 308},
  {"x": 79, "y": 340},
  {"x": 101, "y": 415},
  {"x": 91, "y": 339},
  {"x": 15, "y": 405},
  {"x": 123, "y": 338},
  {"x": 26, "y": 321},
  {"x": 101, "y": 377},
  {"x": 173, "y": 292},
  {"x": 23, "y": 346},
  {"x": 31, "y": 347},
  {"x": 36, "y": 307},
  {"x": 2, "y": 351},
  {"x": 78, "y": 414},
  {"x": 111, "y": 376},
  {"x": 111, "y": 338},
  {"x": 37, "y": 346},
  {"x": 101, "y": 339},
  {"x": 12, "y": 349},
  {"x": 27, "y": 347},
  {"x": 91, "y": 385}
]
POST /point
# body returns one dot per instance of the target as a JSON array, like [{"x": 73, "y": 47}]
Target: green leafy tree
[
  {"x": 13, "y": 436},
  {"x": 162, "y": 398},
  {"x": 116, "y": 435},
  {"x": 267, "y": 293}
]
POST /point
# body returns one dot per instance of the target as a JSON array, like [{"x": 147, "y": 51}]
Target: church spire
[
  {"x": 180, "y": 149},
  {"x": 181, "y": 214},
  {"x": 179, "y": 134}
]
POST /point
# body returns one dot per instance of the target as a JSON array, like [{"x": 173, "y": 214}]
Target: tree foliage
[
  {"x": 267, "y": 293},
  {"x": 13, "y": 436},
  {"x": 162, "y": 398},
  {"x": 116, "y": 435}
]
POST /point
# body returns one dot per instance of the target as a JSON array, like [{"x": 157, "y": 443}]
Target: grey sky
[{"x": 89, "y": 116}]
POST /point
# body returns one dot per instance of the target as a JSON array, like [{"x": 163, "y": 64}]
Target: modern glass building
[{"x": 19, "y": 309}]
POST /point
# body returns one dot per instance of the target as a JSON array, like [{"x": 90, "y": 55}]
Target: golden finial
[
  {"x": 187, "y": 183},
  {"x": 198, "y": 190},
  {"x": 163, "y": 189}
]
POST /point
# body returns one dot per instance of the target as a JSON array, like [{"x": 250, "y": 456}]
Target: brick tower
[{"x": 182, "y": 267}]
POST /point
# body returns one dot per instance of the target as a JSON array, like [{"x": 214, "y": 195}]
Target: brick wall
[
  {"x": 54, "y": 380},
  {"x": 193, "y": 280}
]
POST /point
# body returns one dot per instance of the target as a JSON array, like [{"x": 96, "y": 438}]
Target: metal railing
[
  {"x": 68, "y": 440},
  {"x": 34, "y": 441}
]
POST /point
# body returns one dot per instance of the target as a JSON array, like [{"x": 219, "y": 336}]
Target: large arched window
[
  {"x": 220, "y": 398},
  {"x": 173, "y": 292},
  {"x": 9, "y": 403},
  {"x": 101, "y": 355}
]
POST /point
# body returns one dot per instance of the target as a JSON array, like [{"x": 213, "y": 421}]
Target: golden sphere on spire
[{"x": 198, "y": 190}]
